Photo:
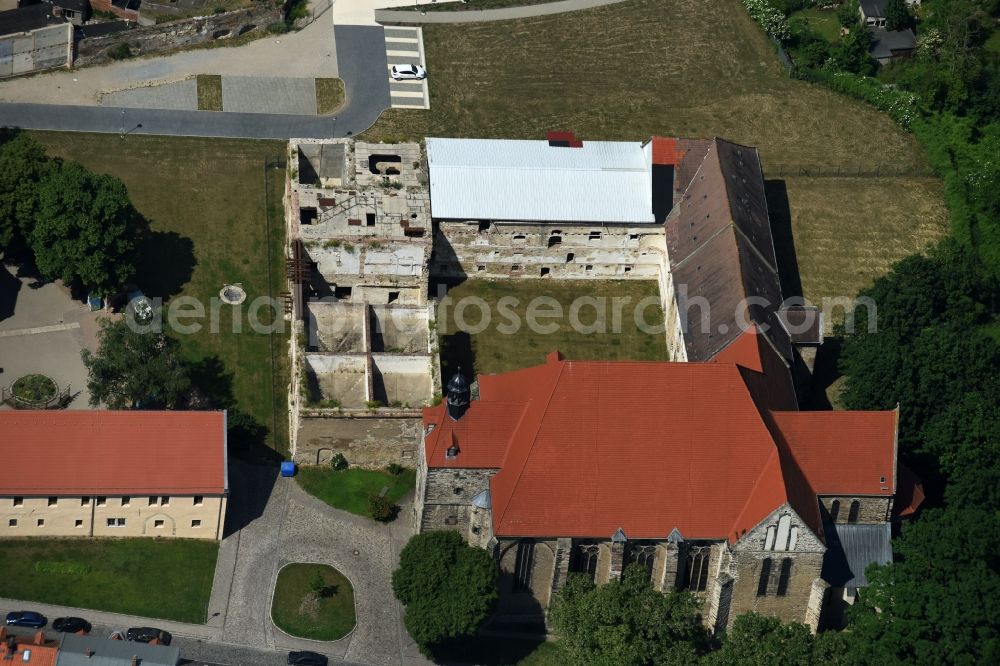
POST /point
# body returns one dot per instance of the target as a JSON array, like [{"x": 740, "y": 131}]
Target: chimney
[
  {"x": 563, "y": 140},
  {"x": 89, "y": 653}
]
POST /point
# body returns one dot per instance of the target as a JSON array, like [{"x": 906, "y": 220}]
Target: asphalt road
[
  {"x": 362, "y": 65},
  {"x": 196, "y": 652}
]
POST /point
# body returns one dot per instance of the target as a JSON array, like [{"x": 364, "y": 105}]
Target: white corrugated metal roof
[{"x": 497, "y": 179}]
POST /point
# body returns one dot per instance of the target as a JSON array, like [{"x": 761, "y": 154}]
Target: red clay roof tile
[{"x": 77, "y": 452}]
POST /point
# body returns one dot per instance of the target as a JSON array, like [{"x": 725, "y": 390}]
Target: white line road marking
[
  {"x": 38, "y": 329},
  {"x": 406, "y": 93},
  {"x": 403, "y": 54},
  {"x": 403, "y": 40}
]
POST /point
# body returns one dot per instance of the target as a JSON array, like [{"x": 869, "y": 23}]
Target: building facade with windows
[
  {"x": 703, "y": 474},
  {"x": 113, "y": 474}
]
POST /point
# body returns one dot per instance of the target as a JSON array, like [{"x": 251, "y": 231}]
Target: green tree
[
  {"x": 626, "y": 623},
  {"x": 938, "y": 603},
  {"x": 757, "y": 640},
  {"x": 851, "y": 53},
  {"x": 849, "y": 13},
  {"x": 22, "y": 165},
  {"x": 448, "y": 587},
  {"x": 134, "y": 369},
  {"x": 317, "y": 583},
  {"x": 897, "y": 16},
  {"x": 84, "y": 228}
]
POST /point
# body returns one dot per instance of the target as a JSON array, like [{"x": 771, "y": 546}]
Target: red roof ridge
[{"x": 510, "y": 447}]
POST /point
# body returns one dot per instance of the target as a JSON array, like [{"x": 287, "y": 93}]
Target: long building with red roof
[{"x": 113, "y": 473}]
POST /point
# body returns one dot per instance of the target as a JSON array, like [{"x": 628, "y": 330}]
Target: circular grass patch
[
  {"x": 34, "y": 388},
  {"x": 313, "y": 601}
]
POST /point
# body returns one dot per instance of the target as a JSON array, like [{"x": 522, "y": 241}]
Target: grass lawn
[
  {"x": 823, "y": 21},
  {"x": 169, "y": 578},
  {"x": 329, "y": 95},
  {"x": 209, "y": 92},
  {"x": 349, "y": 489},
  {"x": 841, "y": 259},
  {"x": 643, "y": 67},
  {"x": 299, "y": 610},
  {"x": 546, "y": 654},
  {"x": 494, "y": 350},
  {"x": 209, "y": 213}
]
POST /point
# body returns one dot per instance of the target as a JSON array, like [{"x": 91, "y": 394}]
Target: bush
[
  {"x": 770, "y": 18},
  {"x": 339, "y": 462},
  {"x": 394, "y": 468},
  {"x": 380, "y": 508},
  {"x": 901, "y": 106},
  {"x": 120, "y": 52}
]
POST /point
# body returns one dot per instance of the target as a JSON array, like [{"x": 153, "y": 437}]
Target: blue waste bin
[{"x": 287, "y": 468}]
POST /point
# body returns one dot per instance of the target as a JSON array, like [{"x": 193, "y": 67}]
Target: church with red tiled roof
[{"x": 702, "y": 470}]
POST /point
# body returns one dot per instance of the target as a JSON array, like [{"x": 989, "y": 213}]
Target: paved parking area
[
  {"x": 269, "y": 94},
  {"x": 42, "y": 330},
  {"x": 404, "y": 45}
]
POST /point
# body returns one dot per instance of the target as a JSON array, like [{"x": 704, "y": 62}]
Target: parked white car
[{"x": 407, "y": 72}]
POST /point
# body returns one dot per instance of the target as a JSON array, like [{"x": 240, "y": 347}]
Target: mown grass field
[
  {"x": 298, "y": 610},
  {"x": 161, "y": 578},
  {"x": 684, "y": 68},
  {"x": 207, "y": 208},
  {"x": 349, "y": 489},
  {"x": 493, "y": 345}
]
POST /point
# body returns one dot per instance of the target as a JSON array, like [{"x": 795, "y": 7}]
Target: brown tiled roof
[
  {"x": 77, "y": 452},
  {"x": 804, "y": 324},
  {"x": 720, "y": 247}
]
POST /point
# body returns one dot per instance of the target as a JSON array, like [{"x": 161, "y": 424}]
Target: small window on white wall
[{"x": 196, "y": 523}]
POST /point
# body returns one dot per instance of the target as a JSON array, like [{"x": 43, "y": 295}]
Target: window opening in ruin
[
  {"x": 308, "y": 215},
  {"x": 569, "y": 257},
  {"x": 834, "y": 510},
  {"x": 370, "y": 219},
  {"x": 484, "y": 226},
  {"x": 520, "y": 238},
  {"x": 555, "y": 240},
  {"x": 480, "y": 268},
  {"x": 342, "y": 293},
  {"x": 589, "y": 268},
  {"x": 393, "y": 296},
  {"x": 515, "y": 267},
  {"x": 628, "y": 269},
  {"x": 545, "y": 271},
  {"x": 595, "y": 235}
]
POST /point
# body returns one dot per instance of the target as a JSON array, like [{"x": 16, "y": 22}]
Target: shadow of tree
[
  {"x": 167, "y": 261},
  {"x": 10, "y": 286}
]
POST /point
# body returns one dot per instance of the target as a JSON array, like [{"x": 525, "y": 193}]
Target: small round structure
[
  {"x": 233, "y": 294},
  {"x": 34, "y": 389}
]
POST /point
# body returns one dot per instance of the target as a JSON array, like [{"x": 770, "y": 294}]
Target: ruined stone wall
[
  {"x": 559, "y": 251},
  {"x": 872, "y": 510},
  {"x": 370, "y": 442},
  {"x": 178, "y": 34}
]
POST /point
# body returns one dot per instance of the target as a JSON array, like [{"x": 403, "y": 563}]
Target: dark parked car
[
  {"x": 70, "y": 625},
  {"x": 26, "y": 619},
  {"x": 306, "y": 658},
  {"x": 146, "y": 634}
]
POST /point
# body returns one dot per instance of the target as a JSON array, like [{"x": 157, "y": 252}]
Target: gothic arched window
[
  {"x": 524, "y": 558},
  {"x": 784, "y": 575},
  {"x": 765, "y": 578},
  {"x": 584, "y": 559},
  {"x": 643, "y": 554},
  {"x": 852, "y": 515},
  {"x": 834, "y": 510},
  {"x": 697, "y": 568}
]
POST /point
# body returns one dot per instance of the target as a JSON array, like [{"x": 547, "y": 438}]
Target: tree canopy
[
  {"x": 897, "y": 16},
  {"x": 626, "y": 623},
  {"x": 134, "y": 369},
  {"x": 448, "y": 587},
  {"x": 79, "y": 226}
]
